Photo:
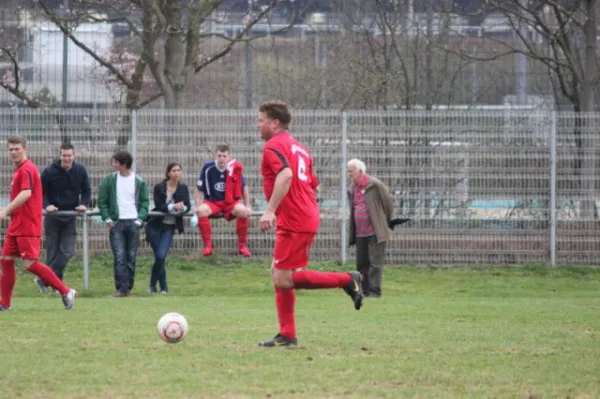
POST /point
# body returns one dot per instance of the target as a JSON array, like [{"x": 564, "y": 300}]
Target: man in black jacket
[{"x": 66, "y": 187}]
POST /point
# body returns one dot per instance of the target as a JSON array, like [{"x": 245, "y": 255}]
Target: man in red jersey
[
  {"x": 23, "y": 237},
  {"x": 290, "y": 186}
]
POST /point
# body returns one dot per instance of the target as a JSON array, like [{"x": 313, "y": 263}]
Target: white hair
[{"x": 358, "y": 164}]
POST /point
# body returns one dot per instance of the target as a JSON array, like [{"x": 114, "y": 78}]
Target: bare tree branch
[
  {"x": 238, "y": 37},
  {"x": 15, "y": 89},
  {"x": 161, "y": 20}
]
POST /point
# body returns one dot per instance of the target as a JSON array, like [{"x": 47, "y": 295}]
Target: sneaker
[
  {"x": 69, "y": 299},
  {"x": 354, "y": 289},
  {"x": 152, "y": 290},
  {"x": 163, "y": 292},
  {"x": 245, "y": 251},
  {"x": 208, "y": 250},
  {"x": 40, "y": 285},
  {"x": 4, "y": 308},
  {"x": 279, "y": 340}
]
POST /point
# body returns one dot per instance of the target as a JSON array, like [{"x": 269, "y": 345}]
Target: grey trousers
[
  {"x": 369, "y": 262},
  {"x": 61, "y": 238}
]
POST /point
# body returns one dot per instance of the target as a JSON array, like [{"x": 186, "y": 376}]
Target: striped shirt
[{"x": 364, "y": 227}]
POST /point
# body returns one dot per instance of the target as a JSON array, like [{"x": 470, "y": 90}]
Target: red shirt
[
  {"x": 298, "y": 211},
  {"x": 26, "y": 220},
  {"x": 364, "y": 227}
]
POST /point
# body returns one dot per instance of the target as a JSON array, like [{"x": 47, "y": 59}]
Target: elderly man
[{"x": 371, "y": 207}]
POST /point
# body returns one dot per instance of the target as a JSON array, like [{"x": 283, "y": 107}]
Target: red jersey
[
  {"x": 26, "y": 220},
  {"x": 298, "y": 211}
]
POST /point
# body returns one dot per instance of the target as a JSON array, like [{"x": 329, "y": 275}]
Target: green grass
[{"x": 465, "y": 332}]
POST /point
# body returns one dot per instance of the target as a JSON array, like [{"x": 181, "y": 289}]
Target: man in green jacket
[
  {"x": 123, "y": 201},
  {"x": 371, "y": 208}
]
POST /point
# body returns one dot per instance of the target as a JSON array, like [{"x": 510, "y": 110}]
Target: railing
[{"x": 85, "y": 232}]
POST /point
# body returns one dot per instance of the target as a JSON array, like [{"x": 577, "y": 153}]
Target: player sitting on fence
[{"x": 222, "y": 191}]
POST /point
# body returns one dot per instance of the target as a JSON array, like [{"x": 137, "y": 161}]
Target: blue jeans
[
  {"x": 160, "y": 239},
  {"x": 124, "y": 242}
]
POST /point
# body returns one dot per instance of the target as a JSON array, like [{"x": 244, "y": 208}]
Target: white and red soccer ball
[{"x": 172, "y": 327}]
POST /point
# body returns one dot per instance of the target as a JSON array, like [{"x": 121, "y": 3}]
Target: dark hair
[
  {"x": 277, "y": 110},
  {"x": 169, "y": 167},
  {"x": 124, "y": 158},
  {"x": 17, "y": 140},
  {"x": 222, "y": 148},
  {"x": 66, "y": 147}
]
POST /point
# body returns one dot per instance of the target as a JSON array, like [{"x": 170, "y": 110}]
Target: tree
[
  {"x": 561, "y": 34},
  {"x": 567, "y": 44},
  {"x": 395, "y": 66},
  {"x": 165, "y": 52},
  {"x": 12, "y": 44}
]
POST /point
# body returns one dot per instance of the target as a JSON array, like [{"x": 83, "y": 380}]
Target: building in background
[{"x": 41, "y": 61}]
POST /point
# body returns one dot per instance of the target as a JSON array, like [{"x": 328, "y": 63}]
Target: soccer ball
[{"x": 172, "y": 327}]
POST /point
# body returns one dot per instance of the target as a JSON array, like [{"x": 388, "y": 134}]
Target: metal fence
[{"x": 481, "y": 187}]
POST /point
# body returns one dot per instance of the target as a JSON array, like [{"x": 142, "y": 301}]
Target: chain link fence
[{"x": 479, "y": 186}]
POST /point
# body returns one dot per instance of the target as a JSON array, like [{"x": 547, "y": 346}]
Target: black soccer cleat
[
  {"x": 4, "y": 308},
  {"x": 354, "y": 289},
  {"x": 279, "y": 340}
]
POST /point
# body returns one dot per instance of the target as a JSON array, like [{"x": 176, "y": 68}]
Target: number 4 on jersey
[
  {"x": 299, "y": 152},
  {"x": 302, "y": 168}
]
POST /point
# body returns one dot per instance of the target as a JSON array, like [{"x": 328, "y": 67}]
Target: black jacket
[
  {"x": 160, "y": 204},
  {"x": 66, "y": 189}
]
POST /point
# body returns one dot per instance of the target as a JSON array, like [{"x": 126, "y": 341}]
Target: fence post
[
  {"x": 343, "y": 189},
  {"x": 86, "y": 255},
  {"x": 133, "y": 138},
  {"x": 552, "y": 210}
]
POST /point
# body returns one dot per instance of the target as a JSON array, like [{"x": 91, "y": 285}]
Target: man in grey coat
[{"x": 371, "y": 207}]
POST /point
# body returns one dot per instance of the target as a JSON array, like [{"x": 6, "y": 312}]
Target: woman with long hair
[{"x": 171, "y": 197}]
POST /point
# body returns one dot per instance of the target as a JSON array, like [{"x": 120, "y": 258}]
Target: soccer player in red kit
[
  {"x": 290, "y": 187},
  {"x": 23, "y": 237}
]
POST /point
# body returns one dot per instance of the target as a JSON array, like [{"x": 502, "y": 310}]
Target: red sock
[
  {"x": 313, "y": 280},
  {"x": 286, "y": 303},
  {"x": 48, "y": 277},
  {"x": 205, "y": 230},
  {"x": 7, "y": 281},
  {"x": 241, "y": 228}
]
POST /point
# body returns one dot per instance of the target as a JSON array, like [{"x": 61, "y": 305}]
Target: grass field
[{"x": 465, "y": 332}]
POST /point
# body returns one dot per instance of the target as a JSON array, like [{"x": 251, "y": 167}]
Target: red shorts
[
  {"x": 292, "y": 250},
  {"x": 221, "y": 207},
  {"x": 22, "y": 247}
]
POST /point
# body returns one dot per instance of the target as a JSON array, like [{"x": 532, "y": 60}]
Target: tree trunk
[
  {"x": 588, "y": 140},
  {"x": 175, "y": 54},
  {"x": 124, "y": 136},
  {"x": 429, "y": 58},
  {"x": 124, "y": 133},
  {"x": 65, "y": 138}
]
